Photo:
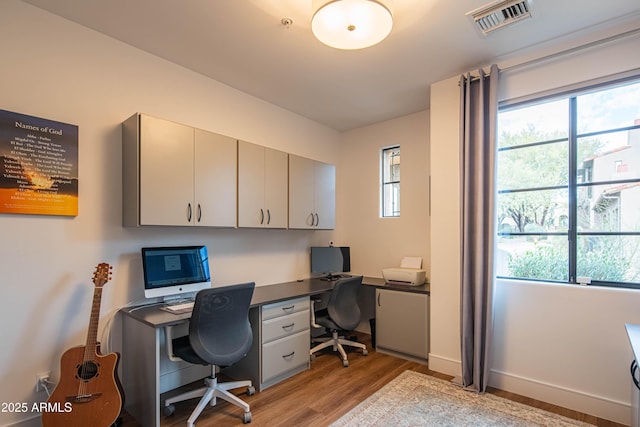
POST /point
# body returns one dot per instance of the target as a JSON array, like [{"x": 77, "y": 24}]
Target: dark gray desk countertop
[
  {"x": 154, "y": 316},
  {"x": 377, "y": 282}
]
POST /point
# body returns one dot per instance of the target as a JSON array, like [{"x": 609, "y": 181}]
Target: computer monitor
[
  {"x": 175, "y": 272},
  {"x": 329, "y": 260}
]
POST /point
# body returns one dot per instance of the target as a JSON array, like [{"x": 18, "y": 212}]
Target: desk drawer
[
  {"x": 284, "y": 355},
  {"x": 283, "y": 308},
  {"x": 282, "y": 326}
]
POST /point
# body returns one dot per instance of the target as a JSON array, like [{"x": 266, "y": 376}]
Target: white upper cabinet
[
  {"x": 214, "y": 179},
  {"x": 312, "y": 194},
  {"x": 262, "y": 186},
  {"x": 177, "y": 175}
]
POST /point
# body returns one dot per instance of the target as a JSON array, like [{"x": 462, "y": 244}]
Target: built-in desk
[{"x": 147, "y": 371}]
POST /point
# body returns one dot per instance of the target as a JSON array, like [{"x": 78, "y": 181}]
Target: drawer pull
[
  {"x": 288, "y": 309},
  {"x": 289, "y": 327},
  {"x": 289, "y": 356}
]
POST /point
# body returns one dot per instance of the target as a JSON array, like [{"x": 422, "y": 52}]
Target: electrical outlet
[{"x": 41, "y": 379}]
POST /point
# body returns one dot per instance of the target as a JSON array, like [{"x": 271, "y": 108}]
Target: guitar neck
[{"x": 92, "y": 333}]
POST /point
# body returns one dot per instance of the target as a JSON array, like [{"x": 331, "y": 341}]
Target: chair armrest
[
  {"x": 168, "y": 337},
  {"x": 313, "y": 315}
]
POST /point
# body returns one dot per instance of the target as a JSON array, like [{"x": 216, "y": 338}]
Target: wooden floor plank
[{"x": 327, "y": 391}]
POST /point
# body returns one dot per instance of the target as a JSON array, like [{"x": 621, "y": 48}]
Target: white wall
[
  {"x": 55, "y": 69},
  {"x": 377, "y": 242},
  {"x": 557, "y": 343},
  {"x": 359, "y": 194}
]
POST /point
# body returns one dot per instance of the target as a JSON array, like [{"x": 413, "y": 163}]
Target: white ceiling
[{"x": 243, "y": 44}]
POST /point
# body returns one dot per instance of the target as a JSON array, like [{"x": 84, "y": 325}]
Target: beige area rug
[{"x": 414, "y": 399}]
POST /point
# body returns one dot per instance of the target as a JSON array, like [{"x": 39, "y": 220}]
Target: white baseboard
[
  {"x": 444, "y": 365},
  {"x": 577, "y": 400}
]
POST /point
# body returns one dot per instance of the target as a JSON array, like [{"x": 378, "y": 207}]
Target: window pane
[
  {"x": 391, "y": 165},
  {"x": 540, "y": 122},
  {"x": 609, "y": 157},
  {"x": 609, "y": 207},
  {"x": 537, "y": 166},
  {"x": 609, "y": 109},
  {"x": 533, "y": 211},
  {"x": 392, "y": 200},
  {"x": 609, "y": 258},
  {"x": 533, "y": 257}
]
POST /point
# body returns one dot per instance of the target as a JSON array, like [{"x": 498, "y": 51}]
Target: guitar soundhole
[{"x": 87, "y": 370}]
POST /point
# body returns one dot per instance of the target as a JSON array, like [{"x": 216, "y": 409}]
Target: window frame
[
  {"x": 384, "y": 184},
  {"x": 576, "y": 178}
]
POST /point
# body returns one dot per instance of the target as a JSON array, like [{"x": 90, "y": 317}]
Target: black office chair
[
  {"x": 219, "y": 335},
  {"x": 341, "y": 315}
]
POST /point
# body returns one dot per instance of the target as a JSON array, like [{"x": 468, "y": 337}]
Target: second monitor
[{"x": 329, "y": 261}]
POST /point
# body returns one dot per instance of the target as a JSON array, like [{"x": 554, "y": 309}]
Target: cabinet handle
[
  {"x": 289, "y": 327},
  {"x": 288, "y": 356},
  {"x": 288, "y": 309},
  {"x": 189, "y": 212},
  {"x": 199, "y": 212},
  {"x": 317, "y": 219},
  {"x": 312, "y": 219},
  {"x": 268, "y": 216},
  {"x": 261, "y": 216},
  {"x": 379, "y": 300}
]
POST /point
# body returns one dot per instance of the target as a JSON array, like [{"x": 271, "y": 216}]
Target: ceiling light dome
[{"x": 350, "y": 24}]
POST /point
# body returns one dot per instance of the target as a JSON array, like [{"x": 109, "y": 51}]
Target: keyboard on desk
[{"x": 179, "y": 308}]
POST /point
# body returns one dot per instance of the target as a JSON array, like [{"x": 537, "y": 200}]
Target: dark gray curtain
[{"x": 479, "y": 108}]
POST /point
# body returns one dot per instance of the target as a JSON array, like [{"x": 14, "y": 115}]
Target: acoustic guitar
[{"x": 89, "y": 393}]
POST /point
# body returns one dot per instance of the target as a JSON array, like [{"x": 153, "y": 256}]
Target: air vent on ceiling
[{"x": 499, "y": 14}]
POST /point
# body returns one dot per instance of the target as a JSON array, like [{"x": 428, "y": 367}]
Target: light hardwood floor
[{"x": 327, "y": 391}]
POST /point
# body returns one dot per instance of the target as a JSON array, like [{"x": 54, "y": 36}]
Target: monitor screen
[
  {"x": 175, "y": 271},
  {"x": 326, "y": 260}
]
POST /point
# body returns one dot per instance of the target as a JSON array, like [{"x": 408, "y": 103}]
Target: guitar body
[{"x": 88, "y": 393}]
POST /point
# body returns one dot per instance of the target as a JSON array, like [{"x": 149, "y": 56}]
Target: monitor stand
[{"x": 333, "y": 277}]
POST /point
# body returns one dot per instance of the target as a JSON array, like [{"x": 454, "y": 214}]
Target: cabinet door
[
  {"x": 324, "y": 192},
  {"x": 251, "y": 169},
  {"x": 301, "y": 178},
  {"x": 402, "y": 322},
  {"x": 276, "y": 188},
  {"x": 166, "y": 172},
  {"x": 215, "y": 158}
]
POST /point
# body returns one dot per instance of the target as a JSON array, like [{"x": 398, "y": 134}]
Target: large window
[
  {"x": 390, "y": 194},
  {"x": 568, "y": 202}
]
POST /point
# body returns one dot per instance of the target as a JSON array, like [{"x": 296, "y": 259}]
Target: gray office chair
[
  {"x": 219, "y": 335},
  {"x": 342, "y": 314}
]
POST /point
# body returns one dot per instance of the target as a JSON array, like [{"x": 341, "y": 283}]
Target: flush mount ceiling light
[{"x": 350, "y": 24}]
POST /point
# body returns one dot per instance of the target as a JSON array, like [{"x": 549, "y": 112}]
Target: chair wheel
[
  {"x": 251, "y": 390},
  {"x": 169, "y": 410},
  {"x": 345, "y": 363},
  {"x": 246, "y": 418},
  {"x": 365, "y": 352}
]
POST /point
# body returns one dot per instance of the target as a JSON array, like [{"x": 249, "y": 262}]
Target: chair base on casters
[
  {"x": 337, "y": 342},
  {"x": 212, "y": 390}
]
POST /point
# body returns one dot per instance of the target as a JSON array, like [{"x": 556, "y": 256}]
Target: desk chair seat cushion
[{"x": 219, "y": 331}]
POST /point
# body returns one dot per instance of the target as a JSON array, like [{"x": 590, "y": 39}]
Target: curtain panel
[{"x": 479, "y": 109}]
